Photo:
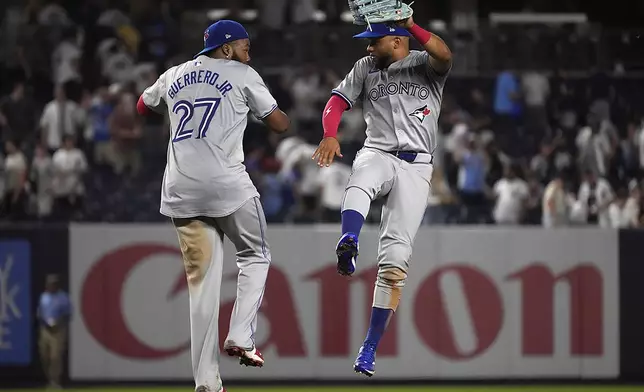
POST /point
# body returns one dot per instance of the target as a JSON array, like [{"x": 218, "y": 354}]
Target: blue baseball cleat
[
  {"x": 347, "y": 252},
  {"x": 366, "y": 361}
]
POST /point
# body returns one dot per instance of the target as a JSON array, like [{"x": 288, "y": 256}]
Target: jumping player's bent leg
[
  {"x": 401, "y": 217},
  {"x": 372, "y": 176},
  {"x": 202, "y": 247},
  {"x": 246, "y": 228}
]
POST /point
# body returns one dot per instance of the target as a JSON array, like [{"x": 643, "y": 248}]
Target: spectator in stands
[
  {"x": 271, "y": 188},
  {"x": 594, "y": 146},
  {"x": 126, "y": 131},
  {"x": 100, "y": 110},
  {"x": 471, "y": 183},
  {"x": 634, "y": 202},
  {"x": 17, "y": 116},
  {"x": 508, "y": 111},
  {"x": 628, "y": 154},
  {"x": 510, "y": 194},
  {"x": 154, "y": 31},
  {"x": 41, "y": 177},
  {"x": 496, "y": 163},
  {"x": 298, "y": 168},
  {"x": 441, "y": 203},
  {"x": 562, "y": 158},
  {"x": 594, "y": 197},
  {"x": 623, "y": 212},
  {"x": 69, "y": 165},
  {"x": 640, "y": 144},
  {"x": 533, "y": 211},
  {"x": 556, "y": 203},
  {"x": 334, "y": 10},
  {"x": 332, "y": 181},
  {"x": 536, "y": 90},
  {"x": 61, "y": 117},
  {"x": 307, "y": 93},
  {"x": 479, "y": 108},
  {"x": 117, "y": 64},
  {"x": 458, "y": 136},
  {"x": 273, "y": 13},
  {"x": 541, "y": 164},
  {"x": 14, "y": 200},
  {"x": 52, "y": 14},
  {"x": 66, "y": 61}
]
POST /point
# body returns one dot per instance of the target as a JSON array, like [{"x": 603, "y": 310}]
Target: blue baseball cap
[
  {"x": 379, "y": 30},
  {"x": 220, "y": 33}
]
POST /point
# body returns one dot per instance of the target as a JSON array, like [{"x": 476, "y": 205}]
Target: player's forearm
[
  {"x": 435, "y": 46},
  {"x": 332, "y": 115}
]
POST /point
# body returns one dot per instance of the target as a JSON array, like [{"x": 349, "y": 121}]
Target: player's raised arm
[
  {"x": 342, "y": 99},
  {"x": 262, "y": 103},
  {"x": 440, "y": 56}
]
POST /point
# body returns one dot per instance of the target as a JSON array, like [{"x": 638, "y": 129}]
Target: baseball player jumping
[
  {"x": 401, "y": 92},
  {"x": 208, "y": 193}
]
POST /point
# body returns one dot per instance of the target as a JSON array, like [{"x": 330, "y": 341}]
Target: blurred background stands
[{"x": 575, "y": 107}]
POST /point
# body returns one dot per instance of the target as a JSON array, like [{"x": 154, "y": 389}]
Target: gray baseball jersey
[
  {"x": 401, "y": 104},
  {"x": 208, "y": 101}
]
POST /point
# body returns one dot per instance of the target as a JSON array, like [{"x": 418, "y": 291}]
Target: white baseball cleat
[{"x": 252, "y": 357}]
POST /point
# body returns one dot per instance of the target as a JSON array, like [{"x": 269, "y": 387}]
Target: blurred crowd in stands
[{"x": 524, "y": 145}]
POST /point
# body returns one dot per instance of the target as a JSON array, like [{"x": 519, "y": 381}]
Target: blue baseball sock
[
  {"x": 377, "y": 325},
  {"x": 352, "y": 222}
]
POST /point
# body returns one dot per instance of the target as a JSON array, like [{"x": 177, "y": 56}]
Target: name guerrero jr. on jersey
[{"x": 198, "y": 77}]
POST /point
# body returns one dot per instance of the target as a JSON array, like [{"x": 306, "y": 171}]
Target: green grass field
[{"x": 593, "y": 388}]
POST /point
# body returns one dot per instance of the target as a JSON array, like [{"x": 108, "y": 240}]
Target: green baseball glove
[{"x": 379, "y": 11}]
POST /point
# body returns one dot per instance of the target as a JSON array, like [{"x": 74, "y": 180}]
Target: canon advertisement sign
[{"x": 479, "y": 303}]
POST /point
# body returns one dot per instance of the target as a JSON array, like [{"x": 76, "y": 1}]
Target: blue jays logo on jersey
[{"x": 421, "y": 113}]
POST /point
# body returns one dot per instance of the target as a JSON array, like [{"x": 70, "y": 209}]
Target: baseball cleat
[
  {"x": 366, "y": 361},
  {"x": 347, "y": 252},
  {"x": 251, "y": 357}
]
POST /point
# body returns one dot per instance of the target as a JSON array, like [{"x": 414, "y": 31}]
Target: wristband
[{"x": 420, "y": 34}]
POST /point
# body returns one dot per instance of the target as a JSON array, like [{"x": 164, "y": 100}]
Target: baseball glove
[{"x": 366, "y": 12}]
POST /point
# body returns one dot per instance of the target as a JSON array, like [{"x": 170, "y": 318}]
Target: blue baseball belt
[{"x": 413, "y": 156}]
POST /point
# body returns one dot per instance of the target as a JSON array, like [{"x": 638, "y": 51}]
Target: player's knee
[
  {"x": 392, "y": 276},
  {"x": 392, "y": 264},
  {"x": 397, "y": 252},
  {"x": 195, "y": 249}
]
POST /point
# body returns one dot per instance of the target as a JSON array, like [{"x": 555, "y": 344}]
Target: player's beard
[
  {"x": 237, "y": 58},
  {"x": 383, "y": 62}
]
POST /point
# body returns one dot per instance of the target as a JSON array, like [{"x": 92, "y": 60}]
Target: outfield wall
[{"x": 480, "y": 303}]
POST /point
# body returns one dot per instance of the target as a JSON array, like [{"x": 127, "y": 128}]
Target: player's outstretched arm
[
  {"x": 329, "y": 147},
  {"x": 440, "y": 56},
  {"x": 277, "y": 121}
]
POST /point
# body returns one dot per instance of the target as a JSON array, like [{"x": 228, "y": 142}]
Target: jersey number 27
[{"x": 187, "y": 110}]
